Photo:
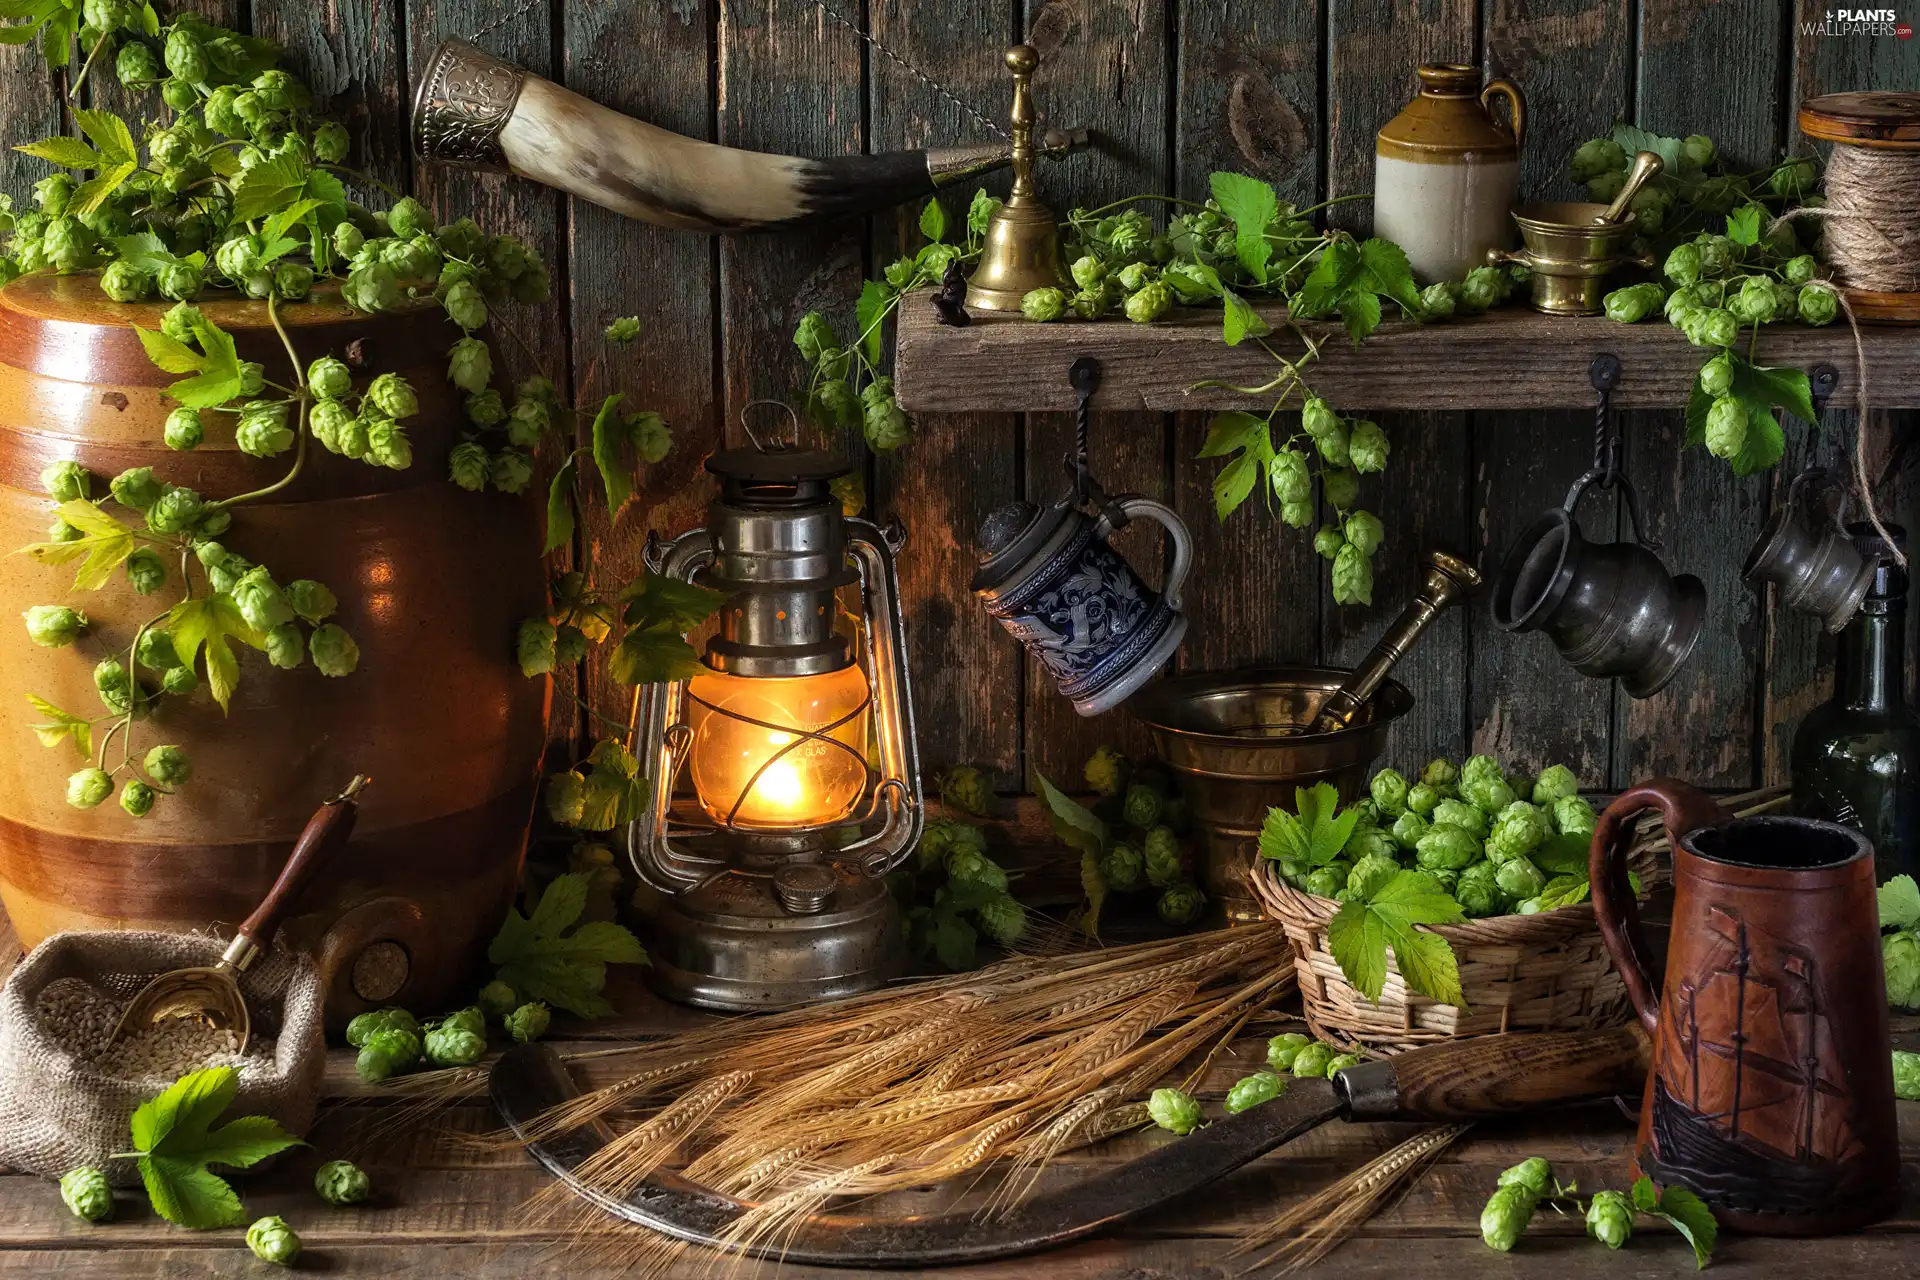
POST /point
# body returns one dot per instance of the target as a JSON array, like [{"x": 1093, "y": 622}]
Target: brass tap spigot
[{"x": 1022, "y": 250}]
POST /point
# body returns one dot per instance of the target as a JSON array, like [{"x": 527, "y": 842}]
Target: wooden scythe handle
[{"x": 1493, "y": 1075}]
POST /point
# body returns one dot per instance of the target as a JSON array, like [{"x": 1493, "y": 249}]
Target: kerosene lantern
[{"x": 797, "y": 739}]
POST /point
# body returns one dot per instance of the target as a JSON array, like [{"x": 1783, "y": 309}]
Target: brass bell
[{"x": 1022, "y": 250}]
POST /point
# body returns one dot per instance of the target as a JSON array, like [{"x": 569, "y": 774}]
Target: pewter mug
[
  {"x": 1611, "y": 608},
  {"x": 1806, "y": 551},
  {"x": 1050, "y": 578},
  {"x": 1770, "y": 1093}
]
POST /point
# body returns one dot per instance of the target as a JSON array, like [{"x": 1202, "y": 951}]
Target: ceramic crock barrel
[{"x": 431, "y": 581}]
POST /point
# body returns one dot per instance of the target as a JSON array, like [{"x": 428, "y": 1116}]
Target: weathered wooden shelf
[{"x": 1511, "y": 358}]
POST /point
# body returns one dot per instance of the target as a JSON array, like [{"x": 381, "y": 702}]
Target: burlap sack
[{"x": 58, "y": 1110}]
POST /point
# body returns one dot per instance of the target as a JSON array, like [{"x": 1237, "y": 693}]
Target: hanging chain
[
  {"x": 874, "y": 41},
  {"x": 510, "y": 15}
]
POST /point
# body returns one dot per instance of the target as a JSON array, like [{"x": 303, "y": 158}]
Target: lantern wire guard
[{"x": 769, "y": 891}]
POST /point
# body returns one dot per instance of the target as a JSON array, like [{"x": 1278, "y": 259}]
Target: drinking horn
[{"x": 474, "y": 109}]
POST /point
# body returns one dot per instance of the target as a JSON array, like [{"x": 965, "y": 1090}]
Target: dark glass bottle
[{"x": 1856, "y": 757}]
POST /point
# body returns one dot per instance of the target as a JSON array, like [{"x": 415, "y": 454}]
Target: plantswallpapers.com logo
[{"x": 1859, "y": 22}]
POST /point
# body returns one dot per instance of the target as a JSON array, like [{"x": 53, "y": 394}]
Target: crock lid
[{"x": 1011, "y": 535}]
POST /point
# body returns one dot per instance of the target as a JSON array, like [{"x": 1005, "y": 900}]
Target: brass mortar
[{"x": 1570, "y": 253}]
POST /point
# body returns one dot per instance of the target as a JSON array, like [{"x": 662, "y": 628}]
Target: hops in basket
[{"x": 1471, "y": 840}]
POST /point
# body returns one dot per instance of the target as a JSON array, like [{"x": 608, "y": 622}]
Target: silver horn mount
[{"x": 477, "y": 110}]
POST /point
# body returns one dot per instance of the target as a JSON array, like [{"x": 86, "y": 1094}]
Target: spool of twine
[{"x": 1872, "y": 218}]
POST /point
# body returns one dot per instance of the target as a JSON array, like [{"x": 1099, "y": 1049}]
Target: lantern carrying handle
[{"x": 770, "y": 446}]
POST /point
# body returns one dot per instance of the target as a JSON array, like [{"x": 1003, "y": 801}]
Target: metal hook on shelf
[
  {"x": 1084, "y": 376},
  {"x": 1609, "y": 448}
]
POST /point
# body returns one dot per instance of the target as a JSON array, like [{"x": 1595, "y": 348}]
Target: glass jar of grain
[{"x": 1447, "y": 171}]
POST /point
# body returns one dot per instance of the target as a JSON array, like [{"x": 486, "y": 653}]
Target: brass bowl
[
  {"x": 1237, "y": 740},
  {"x": 1570, "y": 253}
]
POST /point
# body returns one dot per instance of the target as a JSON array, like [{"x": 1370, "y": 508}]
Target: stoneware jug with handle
[{"x": 1770, "y": 1095}]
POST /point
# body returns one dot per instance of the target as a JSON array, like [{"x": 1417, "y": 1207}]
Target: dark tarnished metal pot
[
  {"x": 1811, "y": 558},
  {"x": 1237, "y": 740},
  {"x": 431, "y": 580},
  {"x": 1611, "y": 608},
  {"x": 1770, "y": 1095}
]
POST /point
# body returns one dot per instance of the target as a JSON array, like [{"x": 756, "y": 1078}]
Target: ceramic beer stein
[
  {"x": 1447, "y": 171},
  {"x": 1770, "y": 1094},
  {"x": 1053, "y": 582}
]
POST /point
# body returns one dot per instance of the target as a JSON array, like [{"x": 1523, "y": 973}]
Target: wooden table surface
[{"x": 444, "y": 1209}]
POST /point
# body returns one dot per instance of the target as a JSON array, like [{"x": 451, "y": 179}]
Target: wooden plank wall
[{"x": 1174, "y": 89}]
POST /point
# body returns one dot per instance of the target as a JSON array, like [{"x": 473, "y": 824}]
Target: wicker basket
[{"x": 1543, "y": 972}]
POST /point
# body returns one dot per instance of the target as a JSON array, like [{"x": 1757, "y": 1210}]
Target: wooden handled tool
[
  {"x": 1488, "y": 1076},
  {"x": 212, "y": 994}
]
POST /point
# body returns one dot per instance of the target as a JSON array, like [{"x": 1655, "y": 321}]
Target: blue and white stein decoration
[{"x": 1053, "y": 582}]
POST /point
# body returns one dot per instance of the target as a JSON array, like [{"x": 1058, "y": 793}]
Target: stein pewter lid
[
  {"x": 1889, "y": 579},
  {"x": 1010, "y": 536}
]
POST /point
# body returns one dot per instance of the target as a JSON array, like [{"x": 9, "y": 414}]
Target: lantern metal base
[{"x": 732, "y": 944}]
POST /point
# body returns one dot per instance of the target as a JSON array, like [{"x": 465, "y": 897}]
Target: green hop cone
[
  {"x": 146, "y": 571},
  {"x": 1423, "y": 798},
  {"x": 1002, "y": 919},
  {"x": 180, "y": 680},
  {"x": 66, "y": 481},
  {"x": 292, "y": 281},
  {"x": 331, "y": 143},
  {"x": 1180, "y": 904},
  {"x": 1505, "y": 1217},
  {"x": 1800, "y": 269},
  {"x": 1793, "y": 177},
  {"x": 1482, "y": 289},
  {"x": 53, "y": 193},
  {"x": 179, "y": 281},
  {"x": 1899, "y": 957},
  {"x": 1150, "y": 303},
  {"x": 409, "y": 218},
  {"x": 124, "y": 282},
  {"x": 260, "y": 600},
  {"x": 883, "y": 421},
  {"x": 1446, "y": 847},
  {"x": 510, "y": 470},
  {"x": 1141, "y": 808},
  {"x": 454, "y": 1046},
  {"x": 177, "y": 511},
  {"x": 1364, "y": 532},
  {"x": 1407, "y": 830},
  {"x": 183, "y": 429},
  {"x": 1555, "y": 783},
  {"x": 1123, "y": 867},
  {"x": 341, "y": 1182},
  {"x": 1389, "y": 791},
  {"x": 328, "y": 421},
  {"x": 498, "y": 999},
  {"x": 1044, "y": 305},
  {"x": 1610, "y": 1218},
  {"x": 1282, "y": 1049},
  {"x": 387, "y": 1053},
  {"x": 1173, "y": 1111},
  {"x": 1906, "y": 1075},
  {"x": 1818, "y": 305},
  {"x": 1519, "y": 879},
  {"x": 1317, "y": 417},
  {"x": 61, "y": 531},
  {"x": 1340, "y": 486},
  {"x": 184, "y": 57},
  {"x": 329, "y": 378},
  {"x": 1726, "y": 432},
  {"x": 115, "y": 686},
  {"x": 1478, "y": 891},
  {"x": 1311, "y": 1062},
  {"x": 1106, "y": 771},
  {"x": 1478, "y": 769},
  {"x": 1328, "y": 541},
  {"x": 333, "y": 651},
  {"x": 1441, "y": 774},
  {"x": 137, "y": 488},
  {"x": 1714, "y": 327},
  {"x": 1439, "y": 300},
  {"x": 394, "y": 396},
  {"x": 1289, "y": 477},
  {"x": 374, "y": 288},
  {"x": 262, "y": 431},
  {"x": 567, "y": 798},
  {"x": 1696, "y": 152},
  {"x": 1595, "y": 157},
  {"x": 179, "y": 94},
  {"x": 1683, "y": 265},
  {"x": 87, "y": 788},
  {"x": 167, "y": 765},
  {"x": 1716, "y": 375},
  {"x": 348, "y": 240},
  {"x": 1161, "y": 862},
  {"x": 1534, "y": 1173},
  {"x": 86, "y": 1193},
  {"x": 137, "y": 799},
  {"x": 1352, "y": 576},
  {"x": 527, "y": 423},
  {"x": 1463, "y": 814},
  {"x": 364, "y": 1026},
  {"x": 624, "y": 329},
  {"x": 154, "y": 650},
  {"x": 286, "y": 647},
  {"x": 388, "y": 444},
  {"x": 1089, "y": 272},
  {"x": 272, "y": 1240},
  {"x": 1573, "y": 816},
  {"x": 1370, "y": 874},
  {"x": 467, "y": 466},
  {"x": 1136, "y": 276},
  {"x": 652, "y": 439},
  {"x": 528, "y": 1022},
  {"x": 1367, "y": 447},
  {"x": 814, "y": 336},
  {"x": 470, "y": 365},
  {"x": 1633, "y": 303},
  {"x": 969, "y": 865},
  {"x": 312, "y": 601},
  {"x": 967, "y": 789},
  {"x": 1250, "y": 1091},
  {"x": 1328, "y": 881}
]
